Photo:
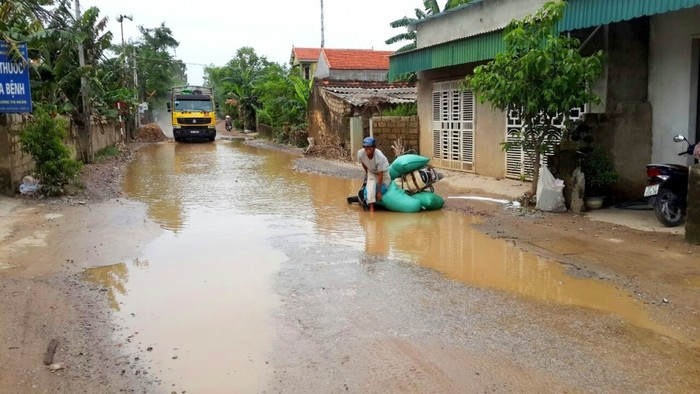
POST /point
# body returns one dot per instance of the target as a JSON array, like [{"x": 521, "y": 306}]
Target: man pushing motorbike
[{"x": 376, "y": 167}]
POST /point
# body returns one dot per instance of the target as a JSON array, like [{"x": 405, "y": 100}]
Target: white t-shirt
[{"x": 378, "y": 163}]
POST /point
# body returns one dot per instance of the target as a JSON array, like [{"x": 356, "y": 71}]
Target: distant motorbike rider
[
  {"x": 229, "y": 123},
  {"x": 376, "y": 167}
]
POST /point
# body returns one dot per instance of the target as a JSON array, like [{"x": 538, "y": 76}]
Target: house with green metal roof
[{"x": 649, "y": 86}]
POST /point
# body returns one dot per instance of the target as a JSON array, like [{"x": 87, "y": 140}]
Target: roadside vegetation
[
  {"x": 253, "y": 90},
  {"x": 408, "y": 109},
  {"x": 61, "y": 87},
  {"x": 43, "y": 140}
]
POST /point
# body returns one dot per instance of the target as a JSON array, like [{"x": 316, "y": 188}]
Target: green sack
[
  {"x": 429, "y": 201},
  {"x": 407, "y": 163},
  {"x": 397, "y": 200}
]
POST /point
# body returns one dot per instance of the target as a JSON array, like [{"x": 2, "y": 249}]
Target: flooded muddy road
[
  {"x": 266, "y": 279},
  {"x": 225, "y": 270}
]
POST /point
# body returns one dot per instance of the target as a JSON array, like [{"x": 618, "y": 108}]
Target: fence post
[{"x": 356, "y": 135}]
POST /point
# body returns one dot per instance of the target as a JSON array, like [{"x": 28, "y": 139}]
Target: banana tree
[{"x": 430, "y": 8}]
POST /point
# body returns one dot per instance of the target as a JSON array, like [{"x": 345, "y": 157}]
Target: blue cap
[{"x": 369, "y": 141}]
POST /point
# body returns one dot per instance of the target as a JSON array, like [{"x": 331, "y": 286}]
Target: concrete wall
[
  {"x": 387, "y": 129},
  {"x": 673, "y": 81},
  {"x": 328, "y": 115},
  {"x": 626, "y": 137},
  {"x": 323, "y": 72},
  {"x": 14, "y": 164},
  {"x": 624, "y": 131},
  {"x": 489, "y": 158},
  {"x": 478, "y": 18},
  {"x": 322, "y": 69},
  {"x": 359, "y": 75},
  {"x": 627, "y": 56}
]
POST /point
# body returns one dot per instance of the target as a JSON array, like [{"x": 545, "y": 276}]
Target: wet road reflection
[{"x": 205, "y": 295}]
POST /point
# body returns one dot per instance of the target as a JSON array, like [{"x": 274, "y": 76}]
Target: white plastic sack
[
  {"x": 550, "y": 192},
  {"x": 29, "y": 186}
]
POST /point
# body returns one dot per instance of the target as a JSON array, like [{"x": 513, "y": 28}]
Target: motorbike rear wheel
[{"x": 669, "y": 209}]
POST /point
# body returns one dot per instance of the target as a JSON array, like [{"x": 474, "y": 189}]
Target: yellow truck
[{"x": 193, "y": 114}]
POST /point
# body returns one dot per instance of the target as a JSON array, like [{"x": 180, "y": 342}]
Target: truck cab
[{"x": 193, "y": 113}]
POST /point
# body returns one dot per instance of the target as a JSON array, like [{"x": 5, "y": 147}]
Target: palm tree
[{"x": 431, "y": 8}]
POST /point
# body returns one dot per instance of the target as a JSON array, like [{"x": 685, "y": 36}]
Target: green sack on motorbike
[
  {"x": 407, "y": 163},
  {"x": 429, "y": 200},
  {"x": 397, "y": 200}
]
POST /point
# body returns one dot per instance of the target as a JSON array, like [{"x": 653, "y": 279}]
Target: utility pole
[
  {"x": 120, "y": 19},
  {"x": 84, "y": 90},
  {"x": 136, "y": 95},
  {"x": 323, "y": 40}
]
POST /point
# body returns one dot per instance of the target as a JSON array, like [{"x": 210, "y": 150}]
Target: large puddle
[{"x": 200, "y": 295}]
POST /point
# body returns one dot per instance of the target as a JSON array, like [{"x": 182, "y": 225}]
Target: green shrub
[
  {"x": 599, "y": 172},
  {"x": 43, "y": 140},
  {"x": 106, "y": 153},
  {"x": 407, "y": 109}
]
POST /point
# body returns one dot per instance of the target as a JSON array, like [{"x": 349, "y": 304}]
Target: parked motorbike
[{"x": 667, "y": 189}]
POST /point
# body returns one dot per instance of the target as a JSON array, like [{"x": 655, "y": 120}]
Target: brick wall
[
  {"x": 14, "y": 164},
  {"x": 328, "y": 116},
  {"x": 387, "y": 129}
]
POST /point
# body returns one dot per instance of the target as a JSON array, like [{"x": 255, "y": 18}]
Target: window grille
[{"x": 453, "y": 126}]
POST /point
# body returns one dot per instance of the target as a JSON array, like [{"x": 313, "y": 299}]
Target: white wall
[
  {"x": 359, "y": 75},
  {"x": 479, "y": 18},
  {"x": 322, "y": 70},
  {"x": 673, "y": 81}
]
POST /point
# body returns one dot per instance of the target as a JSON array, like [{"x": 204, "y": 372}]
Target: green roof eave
[
  {"x": 579, "y": 14},
  {"x": 468, "y": 50}
]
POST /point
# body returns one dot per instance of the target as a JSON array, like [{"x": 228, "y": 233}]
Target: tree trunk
[{"x": 535, "y": 172}]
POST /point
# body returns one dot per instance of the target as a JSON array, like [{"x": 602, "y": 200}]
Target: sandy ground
[{"x": 44, "y": 297}]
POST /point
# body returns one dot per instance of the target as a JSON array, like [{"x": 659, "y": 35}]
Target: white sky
[{"x": 210, "y": 31}]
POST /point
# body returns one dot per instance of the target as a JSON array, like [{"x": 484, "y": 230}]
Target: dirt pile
[{"x": 150, "y": 133}]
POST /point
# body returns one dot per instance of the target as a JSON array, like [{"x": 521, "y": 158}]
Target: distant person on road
[
  {"x": 228, "y": 123},
  {"x": 376, "y": 167}
]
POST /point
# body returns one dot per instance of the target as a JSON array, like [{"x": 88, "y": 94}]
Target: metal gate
[
  {"x": 519, "y": 160},
  {"x": 453, "y": 126}
]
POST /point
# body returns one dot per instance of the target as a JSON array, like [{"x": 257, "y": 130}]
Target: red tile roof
[
  {"x": 357, "y": 59},
  {"x": 306, "y": 54}
]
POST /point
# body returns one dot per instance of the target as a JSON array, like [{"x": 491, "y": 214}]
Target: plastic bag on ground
[
  {"x": 28, "y": 186},
  {"x": 550, "y": 192}
]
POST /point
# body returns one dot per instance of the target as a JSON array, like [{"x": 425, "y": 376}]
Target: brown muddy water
[{"x": 200, "y": 296}]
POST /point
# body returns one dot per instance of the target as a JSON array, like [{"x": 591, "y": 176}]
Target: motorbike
[
  {"x": 229, "y": 124},
  {"x": 667, "y": 189},
  {"x": 417, "y": 181}
]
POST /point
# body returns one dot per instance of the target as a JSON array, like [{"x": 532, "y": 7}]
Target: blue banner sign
[{"x": 14, "y": 81}]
